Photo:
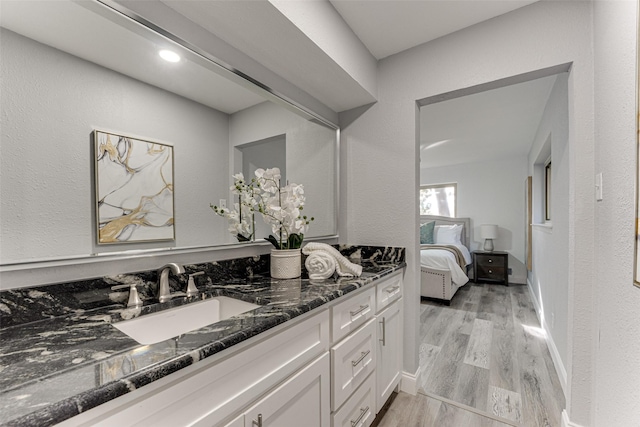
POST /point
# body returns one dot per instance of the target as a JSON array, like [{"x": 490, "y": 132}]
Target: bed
[{"x": 444, "y": 264}]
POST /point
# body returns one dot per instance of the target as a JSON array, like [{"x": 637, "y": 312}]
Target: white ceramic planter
[{"x": 285, "y": 263}]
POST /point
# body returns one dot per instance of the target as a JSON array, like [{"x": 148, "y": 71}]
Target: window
[
  {"x": 438, "y": 200},
  {"x": 547, "y": 190}
]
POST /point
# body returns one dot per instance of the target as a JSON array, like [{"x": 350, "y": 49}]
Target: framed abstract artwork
[{"x": 134, "y": 189}]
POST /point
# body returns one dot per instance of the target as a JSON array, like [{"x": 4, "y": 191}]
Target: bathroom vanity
[{"x": 328, "y": 352}]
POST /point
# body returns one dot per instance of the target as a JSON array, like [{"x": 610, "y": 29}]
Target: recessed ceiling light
[{"x": 169, "y": 55}]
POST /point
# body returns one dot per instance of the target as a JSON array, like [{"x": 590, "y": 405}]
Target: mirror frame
[{"x": 106, "y": 7}]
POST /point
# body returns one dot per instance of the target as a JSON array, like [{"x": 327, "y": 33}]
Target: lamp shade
[{"x": 489, "y": 231}]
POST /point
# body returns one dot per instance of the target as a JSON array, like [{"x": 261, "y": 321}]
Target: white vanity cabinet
[
  {"x": 216, "y": 390},
  {"x": 334, "y": 366},
  {"x": 366, "y": 352}
]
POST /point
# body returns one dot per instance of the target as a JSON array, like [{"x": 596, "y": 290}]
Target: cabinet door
[
  {"x": 302, "y": 400},
  {"x": 389, "y": 352}
]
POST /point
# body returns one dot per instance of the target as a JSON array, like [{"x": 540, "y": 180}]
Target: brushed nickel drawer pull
[
  {"x": 361, "y": 358},
  {"x": 363, "y": 412},
  {"x": 384, "y": 332},
  {"x": 360, "y": 310},
  {"x": 259, "y": 422},
  {"x": 390, "y": 290}
]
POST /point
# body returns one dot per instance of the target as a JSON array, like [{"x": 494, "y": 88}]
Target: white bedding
[{"x": 445, "y": 260}]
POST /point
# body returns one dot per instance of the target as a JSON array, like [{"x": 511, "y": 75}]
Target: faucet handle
[
  {"x": 134, "y": 298},
  {"x": 191, "y": 285}
]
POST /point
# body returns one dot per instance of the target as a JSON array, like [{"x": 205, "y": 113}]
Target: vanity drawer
[
  {"x": 351, "y": 314},
  {"x": 351, "y": 363},
  {"x": 359, "y": 410},
  {"x": 388, "y": 290}
]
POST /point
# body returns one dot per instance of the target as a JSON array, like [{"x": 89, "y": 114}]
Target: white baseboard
[
  {"x": 555, "y": 355},
  {"x": 566, "y": 422},
  {"x": 409, "y": 382}
]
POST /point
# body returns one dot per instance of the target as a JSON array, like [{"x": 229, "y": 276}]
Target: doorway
[{"x": 487, "y": 140}]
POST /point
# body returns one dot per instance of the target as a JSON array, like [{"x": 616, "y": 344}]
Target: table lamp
[{"x": 488, "y": 232}]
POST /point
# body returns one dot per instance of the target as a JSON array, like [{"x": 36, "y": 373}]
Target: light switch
[{"x": 599, "y": 187}]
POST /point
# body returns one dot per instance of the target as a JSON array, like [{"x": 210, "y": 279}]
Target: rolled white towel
[
  {"x": 320, "y": 265},
  {"x": 344, "y": 267}
]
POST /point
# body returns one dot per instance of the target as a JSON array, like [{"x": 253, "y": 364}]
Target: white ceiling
[
  {"x": 387, "y": 27},
  {"x": 498, "y": 123}
]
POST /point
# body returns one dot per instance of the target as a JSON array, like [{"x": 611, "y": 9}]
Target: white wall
[
  {"x": 381, "y": 151},
  {"x": 550, "y": 259},
  {"x": 51, "y": 102},
  {"x": 491, "y": 193},
  {"x": 617, "y": 383}
]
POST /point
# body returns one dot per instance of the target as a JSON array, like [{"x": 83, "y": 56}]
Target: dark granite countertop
[{"x": 60, "y": 355}]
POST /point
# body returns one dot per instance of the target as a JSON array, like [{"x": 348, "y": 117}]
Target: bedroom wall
[
  {"x": 495, "y": 197},
  {"x": 550, "y": 242},
  {"x": 380, "y": 151},
  {"x": 617, "y": 400}
]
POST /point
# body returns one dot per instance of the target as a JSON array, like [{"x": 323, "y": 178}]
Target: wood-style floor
[
  {"x": 424, "y": 411},
  {"x": 487, "y": 353}
]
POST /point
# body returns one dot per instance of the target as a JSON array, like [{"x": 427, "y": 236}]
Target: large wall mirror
[{"x": 71, "y": 67}]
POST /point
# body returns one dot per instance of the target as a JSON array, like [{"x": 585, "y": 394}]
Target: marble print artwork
[{"x": 134, "y": 189}]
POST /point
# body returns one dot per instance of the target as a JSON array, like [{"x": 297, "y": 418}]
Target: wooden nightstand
[{"x": 491, "y": 267}]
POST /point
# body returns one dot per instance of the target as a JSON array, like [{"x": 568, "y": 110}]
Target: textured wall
[
  {"x": 381, "y": 150},
  {"x": 617, "y": 305},
  {"x": 550, "y": 274}
]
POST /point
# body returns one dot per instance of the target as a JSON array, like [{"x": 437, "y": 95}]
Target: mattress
[{"x": 444, "y": 260}]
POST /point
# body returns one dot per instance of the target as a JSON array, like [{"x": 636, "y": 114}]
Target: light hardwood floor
[
  {"x": 487, "y": 352},
  {"x": 424, "y": 411}
]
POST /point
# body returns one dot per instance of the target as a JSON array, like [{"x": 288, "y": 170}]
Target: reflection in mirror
[
  {"x": 265, "y": 154},
  {"x": 73, "y": 67}
]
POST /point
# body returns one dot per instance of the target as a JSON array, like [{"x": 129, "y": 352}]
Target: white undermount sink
[{"x": 163, "y": 325}]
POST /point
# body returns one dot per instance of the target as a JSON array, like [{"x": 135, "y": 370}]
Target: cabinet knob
[
  {"x": 490, "y": 271},
  {"x": 490, "y": 260}
]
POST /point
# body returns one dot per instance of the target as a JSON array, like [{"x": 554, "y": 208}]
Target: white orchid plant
[
  {"x": 241, "y": 218},
  {"x": 280, "y": 207}
]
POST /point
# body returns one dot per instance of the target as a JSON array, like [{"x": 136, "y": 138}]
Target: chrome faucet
[{"x": 164, "y": 292}]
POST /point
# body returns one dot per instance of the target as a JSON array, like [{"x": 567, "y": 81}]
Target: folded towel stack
[{"x": 323, "y": 260}]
